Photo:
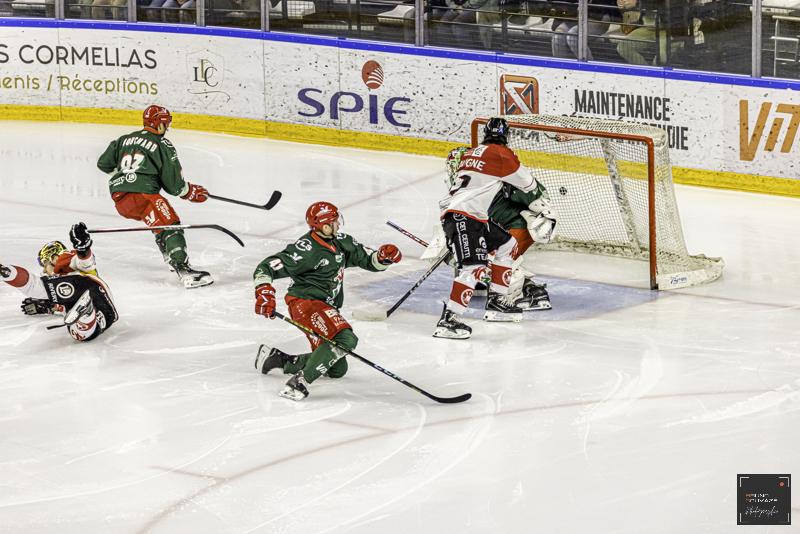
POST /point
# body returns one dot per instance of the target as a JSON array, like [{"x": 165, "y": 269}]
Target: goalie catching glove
[{"x": 541, "y": 219}]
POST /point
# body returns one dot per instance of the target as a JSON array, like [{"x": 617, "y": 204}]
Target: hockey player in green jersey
[
  {"x": 142, "y": 163},
  {"x": 315, "y": 263},
  {"x": 523, "y": 215}
]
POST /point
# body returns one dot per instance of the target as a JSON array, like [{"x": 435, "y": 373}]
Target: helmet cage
[{"x": 49, "y": 252}]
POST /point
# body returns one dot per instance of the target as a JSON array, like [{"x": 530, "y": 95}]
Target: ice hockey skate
[
  {"x": 269, "y": 358},
  {"x": 190, "y": 277},
  {"x": 449, "y": 327},
  {"x": 534, "y": 296},
  {"x": 499, "y": 310},
  {"x": 296, "y": 388}
]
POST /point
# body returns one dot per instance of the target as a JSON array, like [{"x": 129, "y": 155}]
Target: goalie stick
[
  {"x": 172, "y": 227},
  {"x": 382, "y": 315},
  {"x": 445, "y": 400},
  {"x": 273, "y": 199}
]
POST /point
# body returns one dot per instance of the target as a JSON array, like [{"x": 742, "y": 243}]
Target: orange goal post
[{"x": 610, "y": 184}]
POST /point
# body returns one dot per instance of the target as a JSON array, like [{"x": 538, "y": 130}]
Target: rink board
[{"x": 725, "y": 131}]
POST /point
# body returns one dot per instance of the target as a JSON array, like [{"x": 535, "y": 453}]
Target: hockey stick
[
  {"x": 276, "y": 196},
  {"x": 446, "y": 400},
  {"x": 407, "y": 233},
  {"x": 172, "y": 227},
  {"x": 382, "y": 315}
]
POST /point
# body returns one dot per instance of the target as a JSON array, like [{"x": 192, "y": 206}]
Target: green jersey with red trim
[
  {"x": 143, "y": 162},
  {"x": 316, "y": 266},
  {"x": 509, "y": 202}
]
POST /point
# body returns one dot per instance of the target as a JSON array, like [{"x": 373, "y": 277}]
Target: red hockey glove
[
  {"x": 196, "y": 193},
  {"x": 389, "y": 254},
  {"x": 265, "y": 300}
]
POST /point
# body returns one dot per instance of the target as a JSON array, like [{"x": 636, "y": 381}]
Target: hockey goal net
[{"x": 610, "y": 183}]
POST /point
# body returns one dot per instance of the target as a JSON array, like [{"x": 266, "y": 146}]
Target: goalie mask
[
  {"x": 49, "y": 253},
  {"x": 452, "y": 163}
]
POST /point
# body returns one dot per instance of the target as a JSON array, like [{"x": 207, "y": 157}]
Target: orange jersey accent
[{"x": 69, "y": 262}]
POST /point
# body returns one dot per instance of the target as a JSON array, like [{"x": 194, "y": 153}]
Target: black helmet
[{"x": 496, "y": 131}]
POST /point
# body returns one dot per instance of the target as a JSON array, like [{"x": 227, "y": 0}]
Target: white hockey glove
[{"x": 542, "y": 227}]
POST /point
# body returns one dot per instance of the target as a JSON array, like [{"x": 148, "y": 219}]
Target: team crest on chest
[{"x": 303, "y": 244}]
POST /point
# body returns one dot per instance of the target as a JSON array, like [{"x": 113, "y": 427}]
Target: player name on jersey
[{"x": 138, "y": 141}]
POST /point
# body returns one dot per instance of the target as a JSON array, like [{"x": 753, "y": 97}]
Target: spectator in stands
[
  {"x": 186, "y": 17},
  {"x": 460, "y": 18},
  {"x": 566, "y": 18},
  {"x": 664, "y": 25},
  {"x": 601, "y": 14},
  {"x": 100, "y": 9}
]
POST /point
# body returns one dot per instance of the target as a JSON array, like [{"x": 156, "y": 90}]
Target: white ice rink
[{"x": 619, "y": 411}]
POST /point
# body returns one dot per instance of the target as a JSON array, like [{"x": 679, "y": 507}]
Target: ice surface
[{"x": 620, "y": 410}]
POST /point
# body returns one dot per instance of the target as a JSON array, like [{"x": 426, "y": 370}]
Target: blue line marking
[{"x": 428, "y": 51}]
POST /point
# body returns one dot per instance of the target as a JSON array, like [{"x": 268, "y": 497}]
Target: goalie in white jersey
[{"x": 465, "y": 219}]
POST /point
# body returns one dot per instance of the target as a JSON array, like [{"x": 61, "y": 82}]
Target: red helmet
[
  {"x": 319, "y": 214},
  {"x": 154, "y": 116}
]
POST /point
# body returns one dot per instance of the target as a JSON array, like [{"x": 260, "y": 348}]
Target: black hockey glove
[
  {"x": 80, "y": 237},
  {"x": 32, "y": 306}
]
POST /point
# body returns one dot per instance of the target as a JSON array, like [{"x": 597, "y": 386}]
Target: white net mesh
[{"x": 597, "y": 173}]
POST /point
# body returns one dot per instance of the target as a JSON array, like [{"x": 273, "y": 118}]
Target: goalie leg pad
[{"x": 82, "y": 319}]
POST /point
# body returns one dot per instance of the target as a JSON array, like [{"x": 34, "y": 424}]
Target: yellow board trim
[{"x": 370, "y": 141}]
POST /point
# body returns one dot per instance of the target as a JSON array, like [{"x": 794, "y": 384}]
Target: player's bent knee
[
  {"x": 346, "y": 339},
  {"x": 338, "y": 370}
]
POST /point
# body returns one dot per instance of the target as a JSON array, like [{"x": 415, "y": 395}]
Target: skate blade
[
  {"x": 444, "y": 333},
  {"x": 261, "y": 351},
  {"x": 201, "y": 282},
  {"x": 538, "y": 306},
  {"x": 500, "y": 317},
  {"x": 292, "y": 394}
]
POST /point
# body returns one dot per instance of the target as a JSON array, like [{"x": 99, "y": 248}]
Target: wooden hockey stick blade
[
  {"x": 444, "y": 400},
  {"x": 273, "y": 200},
  {"x": 168, "y": 227}
]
